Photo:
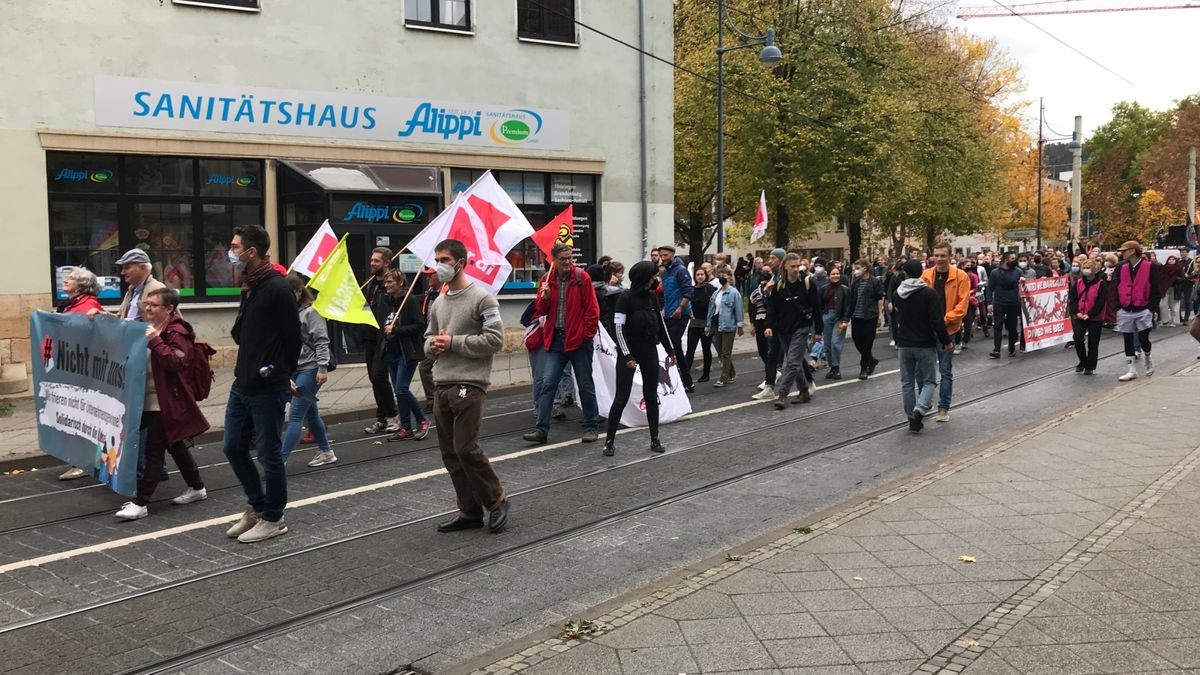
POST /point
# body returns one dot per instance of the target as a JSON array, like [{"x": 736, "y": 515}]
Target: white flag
[
  {"x": 315, "y": 251},
  {"x": 487, "y": 222},
  {"x": 760, "y": 219},
  {"x": 673, "y": 401}
]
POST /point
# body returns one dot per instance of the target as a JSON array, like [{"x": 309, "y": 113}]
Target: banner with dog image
[
  {"x": 673, "y": 401},
  {"x": 1045, "y": 310},
  {"x": 89, "y": 381}
]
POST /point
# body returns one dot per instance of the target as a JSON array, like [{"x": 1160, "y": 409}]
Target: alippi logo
[
  {"x": 379, "y": 213},
  {"x": 79, "y": 175},
  {"x": 243, "y": 181},
  {"x": 515, "y": 126}
]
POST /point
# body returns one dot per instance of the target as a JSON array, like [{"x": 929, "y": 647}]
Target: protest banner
[
  {"x": 89, "y": 385},
  {"x": 1045, "y": 312},
  {"x": 673, "y": 401},
  {"x": 339, "y": 296}
]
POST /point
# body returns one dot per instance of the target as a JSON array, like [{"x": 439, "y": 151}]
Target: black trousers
[
  {"x": 381, "y": 387},
  {"x": 676, "y": 329},
  {"x": 863, "y": 332},
  {"x": 696, "y": 337},
  {"x": 1088, "y": 353},
  {"x": 1006, "y": 316},
  {"x": 647, "y": 360}
]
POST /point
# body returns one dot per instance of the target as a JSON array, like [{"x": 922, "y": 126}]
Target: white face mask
[
  {"x": 236, "y": 261},
  {"x": 803, "y": 267},
  {"x": 446, "y": 272},
  {"x": 818, "y": 270},
  {"x": 1022, "y": 264},
  {"x": 1088, "y": 273},
  {"x": 857, "y": 272}
]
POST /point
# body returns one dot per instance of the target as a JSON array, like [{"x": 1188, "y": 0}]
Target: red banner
[{"x": 1044, "y": 308}]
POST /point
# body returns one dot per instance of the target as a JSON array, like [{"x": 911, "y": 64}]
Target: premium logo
[
  {"x": 78, "y": 175},
  {"x": 515, "y": 127}
]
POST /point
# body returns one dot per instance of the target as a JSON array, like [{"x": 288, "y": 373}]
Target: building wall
[{"x": 51, "y": 51}]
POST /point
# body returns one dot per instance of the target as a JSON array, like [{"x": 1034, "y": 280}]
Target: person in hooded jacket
[
  {"x": 170, "y": 415},
  {"x": 1004, "y": 299},
  {"x": 1168, "y": 274},
  {"x": 639, "y": 328},
  {"x": 311, "y": 372},
  {"x": 1086, "y": 297},
  {"x": 920, "y": 329},
  {"x": 698, "y": 333},
  {"x": 793, "y": 313}
]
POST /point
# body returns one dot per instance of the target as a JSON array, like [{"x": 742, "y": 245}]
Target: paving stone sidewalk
[
  {"x": 1070, "y": 548},
  {"x": 347, "y": 394}
]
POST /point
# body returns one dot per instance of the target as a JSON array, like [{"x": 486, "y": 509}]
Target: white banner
[
  {"x": 673, "y": 401},
  {"x": 315, "y": 251},
  {"x": 237, "y": 109}
]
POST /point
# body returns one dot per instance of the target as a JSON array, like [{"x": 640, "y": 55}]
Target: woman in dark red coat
[
  {"x": 170, "y": 415},
  {"x": 81, "y": 287}
]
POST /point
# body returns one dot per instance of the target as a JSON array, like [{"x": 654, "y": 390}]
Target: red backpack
[{"x": 198, "y": 377}]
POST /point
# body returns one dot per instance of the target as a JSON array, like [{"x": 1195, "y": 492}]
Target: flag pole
[{"x": 403, "y": 302}]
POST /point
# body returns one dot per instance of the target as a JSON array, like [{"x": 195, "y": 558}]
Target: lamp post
[{"x": 770, "y": 55}]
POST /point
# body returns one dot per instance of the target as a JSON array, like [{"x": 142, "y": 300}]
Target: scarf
[{"x": 255, "y": 276}]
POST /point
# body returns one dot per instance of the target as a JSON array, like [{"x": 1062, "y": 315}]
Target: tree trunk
[
  {"x": 854, "y": 233},
  {"x": 929, "y": 232},
  {"x": 782, "y": 225},
  {"x": 695, "y": 238}
]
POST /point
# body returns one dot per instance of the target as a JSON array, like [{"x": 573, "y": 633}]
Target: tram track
[{"x": 327, "y": 611}]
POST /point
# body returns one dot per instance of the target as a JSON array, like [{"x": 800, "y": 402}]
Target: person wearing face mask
[
  {"x": 639, "y": 330},
  {"x": 170, "y": 414},
  {"x": 267, "y": 331},
  {"x": 793, "y": 312},
  {"x": 835, "y": 304},
  {"x": 1169, "y": 273},
  {"x": 402, "y": 351},
  {"x": 1003, "y": 299},
  {"x": 1085, "y": 298},
  {"x": 1137, "y": 282},
  {"x": 866, "y": 300},
  {"x": 698, "y": 332},
  {"x": 725, "y": 319},
  {"x": 311, "y": 373},
  {"x": 464, "y": 333},
  {"x": 1027, "y": 271}
]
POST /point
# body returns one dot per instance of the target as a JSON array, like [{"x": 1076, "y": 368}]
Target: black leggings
[
  {"x": 647, "y": 361},
  {"x": 696, "y": 336},
  {"x": 1006, "y": 316},
  {"x": 1143, "y": 336}
]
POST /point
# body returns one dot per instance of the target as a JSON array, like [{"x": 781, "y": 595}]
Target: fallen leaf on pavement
[
  {"x": 967, "y": 558},
  {"x": 971, "y": 643},
  {"x": 377, "y": 443},
  {"x": 733, "y": 557},
  {"x": 856, "y": 578}
]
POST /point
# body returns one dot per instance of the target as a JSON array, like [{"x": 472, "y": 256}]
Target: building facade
[{"x": 164, "y": 125}]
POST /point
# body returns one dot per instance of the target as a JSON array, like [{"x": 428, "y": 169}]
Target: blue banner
[{"x": 89, "y": 385}]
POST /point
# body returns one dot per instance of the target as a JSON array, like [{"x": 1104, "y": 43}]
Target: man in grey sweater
[{"x": 464, "y": 332}]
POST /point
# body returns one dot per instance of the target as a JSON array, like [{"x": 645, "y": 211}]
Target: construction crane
[{"x": 997, "y": 10}]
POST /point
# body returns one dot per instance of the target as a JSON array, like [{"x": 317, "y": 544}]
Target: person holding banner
[
  {"x": 639, "y": 327},
  {"x": 170, "y": 415},
  {"x": 402, "y": 352},
  {"x": 1137, "y": 282},
  {"x": 1085, "y": 298},
  {"x": 267, "y": 331},
  {"x": 82, "y": 289}
]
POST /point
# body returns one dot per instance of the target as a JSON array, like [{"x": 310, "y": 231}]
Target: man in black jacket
[
  {"x": 920, "y": 327},
  {"x": 267, "y": 331},
  {"x": 793, "y": 313},
  {"x": 372, "y": 341}
]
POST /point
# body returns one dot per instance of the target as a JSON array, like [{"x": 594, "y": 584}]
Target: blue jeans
[
  {"x": 831, "y": 339},
  {"x": 918, "y": 377},
  {"x": 262, "y": 416},
  {"x": 401, "y": 371},
  {"x": 304, "y": 409},
  {"x": 945, "y": 358},
  {"x": 554, "y": 362},
  {"x": 565, "y": 384}
]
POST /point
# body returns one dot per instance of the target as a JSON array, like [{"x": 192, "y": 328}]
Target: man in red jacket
[{"x": 566, "y": 298}]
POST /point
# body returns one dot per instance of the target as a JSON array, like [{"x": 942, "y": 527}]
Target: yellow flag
[{"x": 339, "y": 297}]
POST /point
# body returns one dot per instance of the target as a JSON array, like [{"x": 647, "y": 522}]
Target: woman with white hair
[{"x": 82, "y": 288}]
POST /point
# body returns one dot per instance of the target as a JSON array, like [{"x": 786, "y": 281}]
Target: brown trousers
[{"x": 458, "y": 420}]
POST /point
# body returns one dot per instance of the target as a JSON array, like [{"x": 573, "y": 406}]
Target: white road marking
[{"x": 349, "y": 492}]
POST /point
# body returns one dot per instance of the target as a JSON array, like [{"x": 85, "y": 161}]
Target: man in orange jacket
[{"x": 955, "y": 286}]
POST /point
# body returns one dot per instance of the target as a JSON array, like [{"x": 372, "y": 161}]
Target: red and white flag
[
  {"x": 760, "y": 219},
  {"x": 315, "y": 251},
  {"x": 487, "y": 222}
]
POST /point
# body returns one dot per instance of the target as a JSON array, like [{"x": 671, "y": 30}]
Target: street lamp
[{"x": 770, "y": 55}]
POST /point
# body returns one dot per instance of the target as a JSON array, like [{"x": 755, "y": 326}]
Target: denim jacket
[{"x": 726, "y": 306}]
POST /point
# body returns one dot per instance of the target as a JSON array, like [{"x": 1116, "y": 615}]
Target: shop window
[
  {"x": 164, "y": 232},
  {"x": 572, "y": 189},
  {"x": 145, "y": 175},
  {"x": 548, "y": 20},
  {"x": 84, "y": 234},
  {"x": 78, "y": 173},
  {"x": 448, "y": 14},
  {"x": 230, "y": 178},
  {"x": 219, "y": 221}
]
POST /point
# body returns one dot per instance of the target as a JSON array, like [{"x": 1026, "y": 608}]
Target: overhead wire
[{"x": 1065, "y": 43}]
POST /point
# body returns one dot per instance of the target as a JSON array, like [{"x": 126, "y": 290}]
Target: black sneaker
[
  {"x": 915, "y": 421},
  {"x": 835, "y": 373},
  {"x": 993, "y": 355},
  {"x": 656, "y": 446},
  {"x": 702, "y": 378},
  {"x": 871, "y": 368},
  {"x": 1079, "y": 368},
  {"x": 1011, "y": 353},
  {"x": 609, "y": 449},
  {"x": 862, "y": 374}
]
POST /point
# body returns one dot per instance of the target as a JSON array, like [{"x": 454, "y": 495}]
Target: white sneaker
[
  {"x": 393, "y": 425},
  {"x": 323, "y": 458},
  {"x": 958, "y": 349},
  {"x": 189, "y": 495},
  {"x": 248, "y": 520},
  {"x": 812, "y": 388},
  {"x": 131, "y": 511},
  {"x": 1131, "y": 374},
  {"x": 764, "y": 395},
  {"x": 1149, "y": 365},
  {"x": 763, "y": 385},
  {"x": 263, "y": 530},
  {"x": 892, "y": 343}
]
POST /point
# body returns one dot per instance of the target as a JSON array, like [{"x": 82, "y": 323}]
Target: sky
[{"x": 1158, "y": 51}]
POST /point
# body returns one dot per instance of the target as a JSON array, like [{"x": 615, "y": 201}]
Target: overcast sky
[{"x": 1159, "y": 51}]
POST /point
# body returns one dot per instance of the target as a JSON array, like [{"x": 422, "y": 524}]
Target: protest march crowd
[{"x": 650, "y": 319}]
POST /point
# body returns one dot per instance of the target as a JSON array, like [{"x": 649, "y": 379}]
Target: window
[
  {"x": 549, "y": 20},
  {"x": 180, "y": 210},
  {"x": 449, "y": 14}
]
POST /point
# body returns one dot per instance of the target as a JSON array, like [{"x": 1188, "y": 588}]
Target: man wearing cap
[
  {"x": 1137, "y": 282},
  {"x": 677, "y": 291}
]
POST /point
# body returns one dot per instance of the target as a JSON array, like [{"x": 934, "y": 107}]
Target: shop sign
[
  {"x": 82, "y": 175},
  {"x": 189, "y": 106},
  {"x": 366, "y": 212},
  {"x": 244, "y": 181}
]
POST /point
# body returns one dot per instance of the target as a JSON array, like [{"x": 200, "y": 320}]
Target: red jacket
[
  {"x": 79, "y": 304},
  {"x": 583, "y": 314},
  {"x": 169, "y": 354}
]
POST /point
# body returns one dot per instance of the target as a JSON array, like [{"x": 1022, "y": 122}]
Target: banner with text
[
  {"x": 1045, "y": 311},
  {"x": 89, "y": 383},
  {"x": 673, "y": 401},
  {"x": 238, "y": 109}
]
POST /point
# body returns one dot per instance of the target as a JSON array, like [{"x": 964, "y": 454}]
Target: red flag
[
  {"x": 315, "y": 251},
  {"x": 560, "y": 229}
]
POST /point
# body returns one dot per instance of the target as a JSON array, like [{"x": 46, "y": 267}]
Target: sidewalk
[
  {"x": 346, "y": 396},
  {"x": 1069, "y": 548}
]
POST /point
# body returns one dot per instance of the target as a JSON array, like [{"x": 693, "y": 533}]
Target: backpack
[{"x": 198, "y": 377}]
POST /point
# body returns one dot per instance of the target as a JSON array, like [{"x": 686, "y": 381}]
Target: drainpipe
[{"x": 645, "y": 174}]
